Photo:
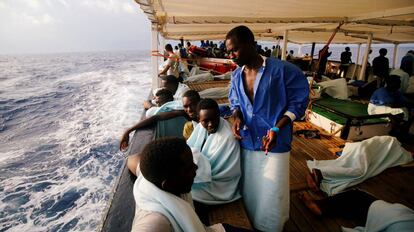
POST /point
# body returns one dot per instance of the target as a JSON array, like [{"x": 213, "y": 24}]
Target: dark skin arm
[
  {"x": 269, "y": 141},
  {"x": 238, "y": 121},
  {"x": 150, "y": 122}
]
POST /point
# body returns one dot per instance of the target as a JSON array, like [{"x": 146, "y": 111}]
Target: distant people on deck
[
  {"x": 290, "y": 55},
  {"x": 165, "y": 172},
  {"x": 390, "y": 100},
  {"x": 218, "y": 156},
  {"x": 266, "y": 96},
  {"x": 183, "y": 51},
  {"x": 190, "y": 101},
  {"x": 267, "y": 52},
  {"x": 171, "y": 83},
  {"x": 345, "y": 61},
  {"x": 380, "y": 67},
  {"x": 276, "y": 52},
  {"x": 407, "y": 63},
  {"x": 176, "y": 51},
  {"x": 171, "y": 64},
  {"x": 323, "y": 60}
]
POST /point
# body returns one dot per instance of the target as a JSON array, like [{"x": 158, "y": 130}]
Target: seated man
[
  {"x": 161, "y": 97},
  {"x": 165, "y": 173},
  {"x": 190, "y": 101},
  {"x": 376, "y": 215},
  {"x": 212, "y": 139},
  {"x": 171, "y": 83},
  {"x": 358, "y": 162},
  {"x": 389, "y": 100}
]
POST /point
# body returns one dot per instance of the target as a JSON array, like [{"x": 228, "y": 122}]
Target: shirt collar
[{"x": 263, "y": 65}]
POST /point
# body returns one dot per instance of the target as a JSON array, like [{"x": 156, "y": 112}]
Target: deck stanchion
[
  {"x": 356, "y": 61},
  {"x": 154, "y": 59},
  {"x": 365, "y": 60},
  {"x": 285, "y": 41},
  {"x": 394, "y": 57}
]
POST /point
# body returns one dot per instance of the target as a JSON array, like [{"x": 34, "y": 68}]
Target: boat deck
[{"x": 393, "y": 185}]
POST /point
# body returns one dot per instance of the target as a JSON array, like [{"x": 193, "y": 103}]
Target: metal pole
[
  {"x": 154, "y": 59},
  {"x": 311, "y": 55},
  {"x": 285, "y": 41},
  {"x": 356, "y": 61},
  {"x": 364, "y": 62},
  {"x": 394, "y": 60}
]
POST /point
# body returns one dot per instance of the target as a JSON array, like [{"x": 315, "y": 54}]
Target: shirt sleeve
[
  {"x": 297, "y": 91},
  {"x": 233, "y": 99}
]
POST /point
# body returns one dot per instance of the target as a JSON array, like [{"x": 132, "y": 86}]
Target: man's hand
[
  {"x": 147, "y": 104},
  {"x": 269, "y": 141},
  {"x": 236, "y": 128},
  {"x": 123, "y": 145}
]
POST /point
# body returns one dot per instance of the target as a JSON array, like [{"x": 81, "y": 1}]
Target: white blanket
[
  {"x": 360, "y": 161},
  {"x": 215, "y": 93},
  {"x": 335, "y": 88},
  {"x": 222, "y": 151},
  {"x": 200, "y": 78},
  {"x": 374, "y": 109},
  {"x": 179, "y": 212},
  {"x": 387, "y": 217}
]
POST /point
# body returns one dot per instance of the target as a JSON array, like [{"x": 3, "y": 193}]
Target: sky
[{"x": 49, "y": 26}]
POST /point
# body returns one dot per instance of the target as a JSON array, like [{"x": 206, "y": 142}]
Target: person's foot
[
  {"x": 310, "y": 203},
  {"x": 314, "y": 179}
]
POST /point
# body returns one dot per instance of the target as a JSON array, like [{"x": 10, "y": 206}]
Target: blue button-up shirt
[{"x": 280, "y": 88}]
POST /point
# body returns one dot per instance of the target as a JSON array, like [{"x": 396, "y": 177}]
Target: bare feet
[
  {"x": 310, "y": 203},
  {"x": 314, "y": 179}
]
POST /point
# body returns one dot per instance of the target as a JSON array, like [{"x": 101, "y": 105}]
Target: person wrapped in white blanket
[
  {"x": 358, "y": 162},
  {"x": 218, "y": 150},
  {"x": 165, "y": 173}
]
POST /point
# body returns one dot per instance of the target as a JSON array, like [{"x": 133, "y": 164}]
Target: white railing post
[
  {"x": 285, "y": 41},
  {"x": 365, "y": 60},
  {"x": 154, "y": 59},
  {"x": 394, "y": 60}
]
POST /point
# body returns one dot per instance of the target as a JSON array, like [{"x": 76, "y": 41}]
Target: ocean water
[{"x": 61, "y": 117}]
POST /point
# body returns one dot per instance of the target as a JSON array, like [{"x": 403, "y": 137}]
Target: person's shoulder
[{"x": 150, "y": 221}]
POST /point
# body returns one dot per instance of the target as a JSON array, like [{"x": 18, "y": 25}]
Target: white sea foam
[{"x": 61, "y": 132}]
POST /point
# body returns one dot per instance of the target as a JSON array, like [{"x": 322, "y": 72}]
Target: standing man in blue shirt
[{"x": 266, "y": 96}]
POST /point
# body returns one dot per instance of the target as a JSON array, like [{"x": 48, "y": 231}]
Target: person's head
[
  {"x": 266, "y": 48},
  {"x": 240, "y": 41},
  {"x": 273, "y": 47},
  {"x": 209, "y": 115},
  {"x": 169, "y": 82},
  {"x": 188, "y": 44},
  {"x": 211, "y": 43},
  {"x": 180, "y": 45},
  {"x": 393, "y": 83},
  {"x": 168, "y": 48},
  {"x": 191, "y": 98},
  {"x": 168, "y": 164},
  {"x": 383, "y": 52},
  {"x": 176, "y": 47},
  {"x": 291, "y": 52},
  {"x": 347, "y": 49},
  {"x": 163, "y": 96}
]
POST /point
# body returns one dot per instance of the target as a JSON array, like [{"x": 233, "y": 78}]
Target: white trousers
[{"x": 265, "y": 188}]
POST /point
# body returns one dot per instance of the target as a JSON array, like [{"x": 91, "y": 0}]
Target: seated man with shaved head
[{"x": 217, "y": 153}]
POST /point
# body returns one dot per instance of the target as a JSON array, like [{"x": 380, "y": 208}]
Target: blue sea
[{"x": 61, "y": 118}]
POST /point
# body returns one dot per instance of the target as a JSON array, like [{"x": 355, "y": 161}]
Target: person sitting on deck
[
  {"x": 171, "y": 64},
  {"x": 380, "y": 67},
  {"x": 389, "y": 100},
  {"x": 161, "y": 97},
  {"x": 171, "y": 83},
  {"x": 190, "y": 101},
  {"x": 165, "y": 173},
  {"x": 364, "y": 209},
  {"x": 212, "y": 140},
  {"x": 358, "y": 162}
]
